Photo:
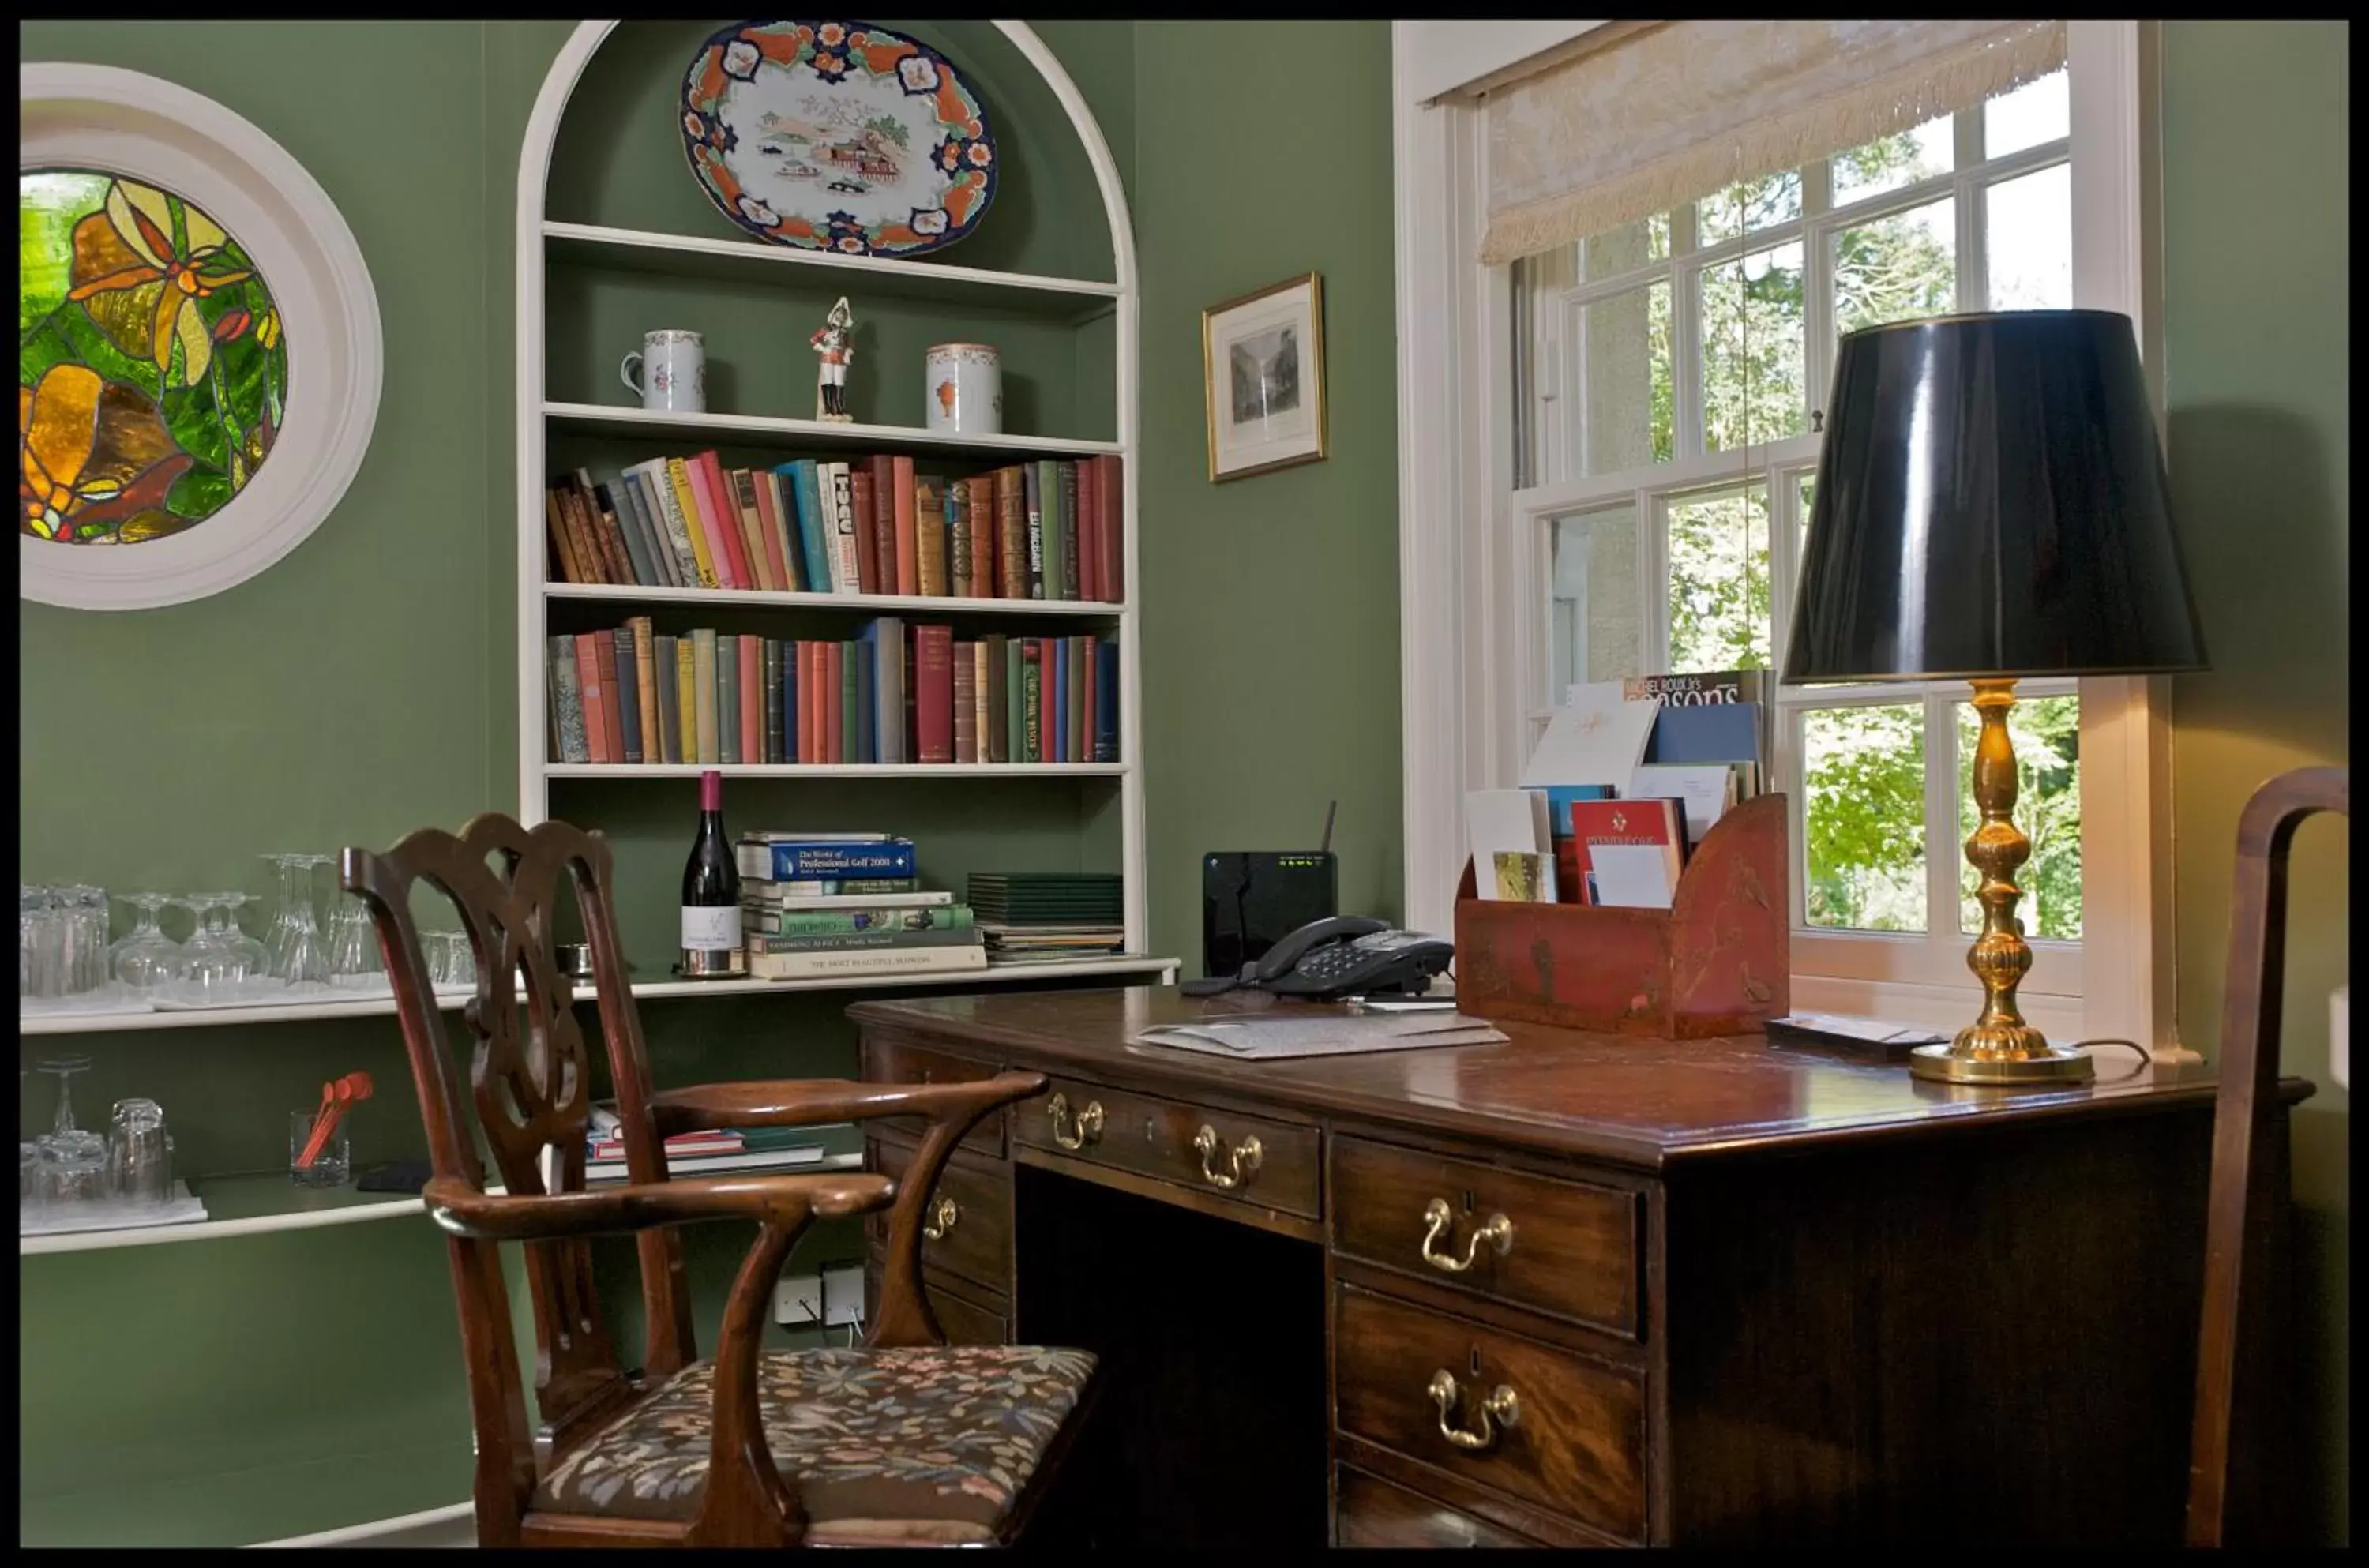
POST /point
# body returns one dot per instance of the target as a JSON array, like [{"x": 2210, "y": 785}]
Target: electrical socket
[
  {"x": 842, "y": 1295},
  {"x": 798, "y": 1300}
]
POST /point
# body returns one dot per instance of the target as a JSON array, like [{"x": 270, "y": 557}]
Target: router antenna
[{"x": 1330, "y": 808}]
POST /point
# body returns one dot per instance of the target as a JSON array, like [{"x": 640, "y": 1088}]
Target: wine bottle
[{"x": 711, "y": 892}]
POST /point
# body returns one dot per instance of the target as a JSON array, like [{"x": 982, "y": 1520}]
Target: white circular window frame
[{"x": 96, "y": 116}]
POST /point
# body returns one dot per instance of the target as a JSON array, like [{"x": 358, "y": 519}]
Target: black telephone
[{"x": 1345, "y": 956}]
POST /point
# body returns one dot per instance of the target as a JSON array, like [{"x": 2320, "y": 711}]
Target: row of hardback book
[
  {"x": 825, "y": 905},
  {"x": 714, "y": 1151},
  {"x": 1626, "y": 779},
  {"x": 895, "y": 693},
  {"x": 1046, "y": 916},
  {"x": 1037, "y": 529}
]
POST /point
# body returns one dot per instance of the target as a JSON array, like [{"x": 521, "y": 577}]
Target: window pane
[
  {"x": 1891, "y": 162},
  {"x": 1626, "y": 248},
  {"x": 2036, "y": 112},
  {"x": 1754, "y": 204},
  {"x": 1897, "y": 268},
  {"x": 2047, "y": 736},
  {"x": 1596, "y": 617},
  {"x": 2029, "y": 247},
  {"x": 1863, "y": 817},
  {"x": 1752, "y": 375},
  {"x": 1719, "y": 580},
  {"x": 1624, "y": 348}
]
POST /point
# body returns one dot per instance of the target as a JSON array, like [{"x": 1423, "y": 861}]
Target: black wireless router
[{"x": 1253, "y": 899}]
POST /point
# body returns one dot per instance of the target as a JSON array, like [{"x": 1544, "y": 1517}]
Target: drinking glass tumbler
[
  {"x": 330, "y": 1167},
  {"x": 141, "y": 1153},
  {"x": 73, "y": 1168}
]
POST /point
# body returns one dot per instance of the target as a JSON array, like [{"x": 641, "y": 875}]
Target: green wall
[
  {"x": 1270, "y": 621},
  {"x": 2257, "y": 285}
]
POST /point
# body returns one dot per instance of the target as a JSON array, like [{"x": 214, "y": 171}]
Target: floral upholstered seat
[{"x": 873, "y": 1442}]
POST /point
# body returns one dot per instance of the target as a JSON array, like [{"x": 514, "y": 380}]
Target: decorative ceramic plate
[{"x": 837, "y": 136}]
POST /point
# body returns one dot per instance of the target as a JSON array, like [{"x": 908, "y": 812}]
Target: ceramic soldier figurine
[{"x": 836, "y": 344}]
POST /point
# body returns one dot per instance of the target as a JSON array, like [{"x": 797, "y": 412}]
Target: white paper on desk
[
  {"x": 1633, "y": 877},
  {"x": 1513, "y": 820},
  {"x": 1266, "y": 1039},
  {"x": 1595, "y": 737},
  {"x": 1705, "y": 789}
]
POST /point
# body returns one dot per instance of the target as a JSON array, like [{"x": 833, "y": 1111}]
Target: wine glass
[
  {"x": 214, "y": 968},
  {"x": 148, "y": 960},
  {"x": 353, "y": 947},
  {"x": 235, "y": 936},
  {"x": 62, "y": 1066},
  {"x": 299, "y": 956}
]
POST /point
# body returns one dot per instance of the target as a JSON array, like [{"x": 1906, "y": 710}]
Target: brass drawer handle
[
  {"x": 943, "y": 1215},
  {"x": 1087, "y": 1127},
  {"x": 1500, "y": 1406},
  {"x": 1436, "y": 1216},
  {"x": 1240, "y": 1165}
]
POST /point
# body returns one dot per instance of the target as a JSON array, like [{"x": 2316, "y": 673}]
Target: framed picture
[{"x": 1263, "y": 378}]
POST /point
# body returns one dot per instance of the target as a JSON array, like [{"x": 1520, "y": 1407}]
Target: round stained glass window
[{"x": 153, "y": 372}]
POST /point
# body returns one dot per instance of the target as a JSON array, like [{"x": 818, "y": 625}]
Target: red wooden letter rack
[{"x": 1715, "y": 962}]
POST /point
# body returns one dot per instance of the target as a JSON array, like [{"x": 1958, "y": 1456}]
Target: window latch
[{"x": 1817, "y": 420}]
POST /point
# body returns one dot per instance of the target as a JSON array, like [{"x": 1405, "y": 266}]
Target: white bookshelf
[
  {"x": 1118, "y": 966},
  {"x": 546, "y": 242}
]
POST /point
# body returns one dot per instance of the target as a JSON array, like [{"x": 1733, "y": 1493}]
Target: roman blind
[{"x": 1658, "y": 114}]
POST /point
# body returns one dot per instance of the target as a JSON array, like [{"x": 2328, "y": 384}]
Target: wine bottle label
[{"x": 705, "y": 929}]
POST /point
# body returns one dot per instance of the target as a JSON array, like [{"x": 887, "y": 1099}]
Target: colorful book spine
[
  {"x": 884, "y": 524},
  {"x": 851, "y": 695},
  {"x": 1106, "y": 700},
  {"x": 1056, "y": 699},
  {"x": 605, "y": 532},
  {"x": 998, "y": 729},
  {"x": 1090, "y": 529},
  {"x": 591, "y": 690},
  {"x": 846, "y": 571},
  {"x": 569, "y": 701},
  {"x": 868, "y": 529},
  {"x": 703, "y": 549},
  {"x": 664, "y": 661},
  {"x": 958, "y": 568},
  {"x": 702, "y": 661},
  {"x": 1015, "y": 744},
  {"x": 756, "y": 515},
  {"x": 623, "y": 695},
  {"x": 646, "y": 685},
  {"x": 563, "y": 546},
  {"x": 909, "y": 563},
  {"x": 686, "y": 699},
  {"x": 966, "y": 696},
  {"x": 1072, "y": 567},
  {"x": 641, "y": 569},
  {"x": 867, "y": 739},
  {"x": 771, "y": 654},
  {"x": 930, "y": 534},
  {"x": 657, "y": 490},
  {"x": 775, "y": 497},
  {"x": 1032, "y": 699},
  {"x": 834, "y": 717},
  {"x": 1010, "y": 535},
  {"x": 770, "y": 860},
  {"x": 806, "y": 495},
  {"x": 752, "y": 700},
  {"x": 1110, "y": 495},
  {"x": 979, "y": 697},
  {"x": 1081, "y": 693},
  {"x": 1032, "y": 494},
  {"x": 776, "y": 943},
  {"x": 886, "y": 634},
  {"x": 934, "y": 676},
  {"x": 836, "y": 922},
  {"x": 637, "y": 496},
  {"x": 589, "y": 553},
  {"x": 723, "y": 518},
  {"x": 728, "y": 698},
  {"x": 967, "y": 957},
  {"x": 612, "y": 693}
]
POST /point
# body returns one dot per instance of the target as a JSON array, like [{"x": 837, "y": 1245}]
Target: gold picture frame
[{"x": 1270, "y": 346}]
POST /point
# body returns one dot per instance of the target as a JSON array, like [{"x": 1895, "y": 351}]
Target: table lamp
[{"x": 1991, "y": 506}]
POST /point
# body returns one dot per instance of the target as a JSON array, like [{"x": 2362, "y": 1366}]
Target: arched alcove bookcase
[{"x": 609, "y": 239}]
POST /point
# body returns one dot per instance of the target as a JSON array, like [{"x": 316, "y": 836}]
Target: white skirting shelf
[
  {"x": 835, "y": 770},
  {"x": 267, "y": 1204},
  {"x": 1155, "y": 971},
  {"x": 752, "y": 430},
  {"x": 889, "y": 603}
]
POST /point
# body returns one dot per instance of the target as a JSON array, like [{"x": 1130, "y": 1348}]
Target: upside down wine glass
[
  {"x": 298, "y": 953},
  {"x": 148, "y": 960}
]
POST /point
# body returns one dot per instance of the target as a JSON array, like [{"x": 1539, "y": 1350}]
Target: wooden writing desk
[{"x": 1745, "y": 1295}]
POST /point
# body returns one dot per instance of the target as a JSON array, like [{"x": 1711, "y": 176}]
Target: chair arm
[
  {"x": 787, "y": 1201},
  {"x": 807, "y": 1102}
]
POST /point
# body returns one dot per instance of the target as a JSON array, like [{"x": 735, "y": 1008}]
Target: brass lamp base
[{"x": 2000, "y": 1047}]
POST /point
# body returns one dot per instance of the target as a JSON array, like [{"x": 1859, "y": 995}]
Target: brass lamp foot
[{"x": 2000, "y": 1047}]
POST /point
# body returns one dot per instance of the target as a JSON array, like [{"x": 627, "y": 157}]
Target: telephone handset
[{"x": 1345, "y": 956}]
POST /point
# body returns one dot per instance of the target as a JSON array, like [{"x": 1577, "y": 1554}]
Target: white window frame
[{"x": 1469, "y": 564}]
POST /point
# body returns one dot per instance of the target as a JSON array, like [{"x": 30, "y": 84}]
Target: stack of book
[
  {"x": 1628, "y": 777},
  {"x": 715, "y": 1151},
  {"x": 817, "y": 906},
  {"x": 1044, "y": 917},
  {"x": 895, "y": 693},
  {"x": 1042, "y": 530}
]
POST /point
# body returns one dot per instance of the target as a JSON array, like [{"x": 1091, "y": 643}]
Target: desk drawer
[
  {"x": 1576, "y": 1443},
  {"x": 1572, "y": 1249},
  {"x": 1375, "y": 1513},
  {"x": 893, "y": 1062},
  {"x": 971, "y": 1211},
  {"x": 1157, "y": 1137}
]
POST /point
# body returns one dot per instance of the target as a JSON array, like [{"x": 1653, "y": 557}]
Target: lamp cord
[{"x": 2146, "y": 1059}]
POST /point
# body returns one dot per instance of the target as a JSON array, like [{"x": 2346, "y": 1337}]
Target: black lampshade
[{"x": 1991, "y": 501}]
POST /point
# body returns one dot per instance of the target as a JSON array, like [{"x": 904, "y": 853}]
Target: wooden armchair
[
  {"x": 2248, "y": 1199},
  {"x": 900, "y": 1441}
]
